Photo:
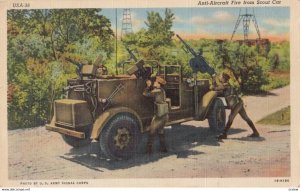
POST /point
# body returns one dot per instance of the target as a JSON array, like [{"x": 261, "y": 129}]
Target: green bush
[{"x": 275, "y": 82}]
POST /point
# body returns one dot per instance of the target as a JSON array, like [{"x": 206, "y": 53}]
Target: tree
[
  {"x": 158, "y": 35},
  {"x": 38, "y": 41},
  {"x": 243, "y": 63},
  {"x": 60, "y": 28}
]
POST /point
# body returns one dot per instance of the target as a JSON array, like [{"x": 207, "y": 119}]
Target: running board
[{"x": 179, "y": 121}]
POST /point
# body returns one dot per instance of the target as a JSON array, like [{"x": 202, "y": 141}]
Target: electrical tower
[
  {"x": 126, "y": 23},
  {"x": 246, "y": 19}
]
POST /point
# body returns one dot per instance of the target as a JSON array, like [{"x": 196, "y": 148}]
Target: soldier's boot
[
  {"x": 162, "y": 142},
  {"x": 255, "y": 132},
  {"x": 224, "y": 134},
  {"x": 150, "y": 144}
]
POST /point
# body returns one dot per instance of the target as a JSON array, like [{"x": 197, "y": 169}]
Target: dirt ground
[{"x": 193, "y": 151}]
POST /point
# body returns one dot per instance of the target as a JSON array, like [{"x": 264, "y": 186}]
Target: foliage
[
  {"x": 276, "y": 81},
  {"x": 279, "y": 57},
  {"x": 155, "y": 38},
  {"x": 38, "y": 42}
]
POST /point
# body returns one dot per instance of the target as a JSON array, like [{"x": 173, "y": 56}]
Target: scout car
[{"x": 113, "y": 111}]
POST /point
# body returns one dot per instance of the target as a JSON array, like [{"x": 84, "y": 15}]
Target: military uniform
[
  {"x": 101, "y": 70},
  {"x": 159, "y": 119},
  {"x": 236, "y": 105}
]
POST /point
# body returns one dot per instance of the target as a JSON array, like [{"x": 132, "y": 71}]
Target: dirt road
[{"x": 193, "y": 151}]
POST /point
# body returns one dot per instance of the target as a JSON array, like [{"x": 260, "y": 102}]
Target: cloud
[
  {"x": 179, "y": 19},
  {"x": 277, "y": 22},
  {"x": 223, "y": 16},
  {"x": 218, "y": 17},
  {"x": 199, "y": 20},
  {"x": 136, "y": 22}
]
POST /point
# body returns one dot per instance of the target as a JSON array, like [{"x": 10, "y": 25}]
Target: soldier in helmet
[
  {"x": 235, "y": 104},
  {"x": 101, "y": 70},
  {"x": 160, "y": 118}
]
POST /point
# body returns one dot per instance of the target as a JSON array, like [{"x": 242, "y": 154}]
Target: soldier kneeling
[{"x": 160, "y": 118}]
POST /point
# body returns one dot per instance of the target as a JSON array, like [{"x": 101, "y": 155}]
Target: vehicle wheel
[
  {"x": 119, "y": 138},
  {"x": 76, "y": 142},
  {"x": 216, "y": 117}
]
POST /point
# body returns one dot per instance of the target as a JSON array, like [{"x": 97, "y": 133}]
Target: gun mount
[
  {"x": 138, "y": 69},
  {"x": 79, "y": 67},
  {"x": 197, "y": 63}
]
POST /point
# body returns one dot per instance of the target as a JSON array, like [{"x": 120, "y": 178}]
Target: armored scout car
[{"x": 113, "y": 111}]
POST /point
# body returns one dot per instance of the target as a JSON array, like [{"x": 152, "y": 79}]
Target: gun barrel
[
  {"x": 187, "y": 46},
  {"x": 131, "y": 54},
  {"x": 74, "y": 62}
]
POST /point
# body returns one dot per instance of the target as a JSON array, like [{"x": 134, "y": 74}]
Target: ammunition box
[
  {"x": 139, "y": 65},
  {"x": 162, "y": 109},
  {"x": 132, "y": 70},
  {"x": 72, "y": 113},
  {"x": 89, "y": 70}
]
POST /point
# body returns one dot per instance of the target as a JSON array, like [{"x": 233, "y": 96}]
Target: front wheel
[
  {"x": 216, "y": 117},
  {"x": 120, "y": 137}
]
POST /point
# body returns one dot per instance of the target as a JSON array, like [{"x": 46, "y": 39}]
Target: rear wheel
[
  {"x": 77, "y": 142},
  {"x": 216, "y": 117},
  {"x": 120, "y": 137}
]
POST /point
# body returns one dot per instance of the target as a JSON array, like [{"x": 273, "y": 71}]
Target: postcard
[{"x": 199, "y": 93}]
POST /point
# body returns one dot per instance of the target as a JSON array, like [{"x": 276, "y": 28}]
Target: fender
[
  {"x": 205, "y": 104},
  {"x": 102, "y": 119}
]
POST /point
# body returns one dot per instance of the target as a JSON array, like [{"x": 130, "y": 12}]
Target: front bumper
[{"x": 65, "y": 131}]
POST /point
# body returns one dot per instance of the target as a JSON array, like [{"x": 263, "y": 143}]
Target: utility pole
[{"x": 116, "y": 39}]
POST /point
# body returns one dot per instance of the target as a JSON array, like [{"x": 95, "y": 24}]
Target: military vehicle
[{"x": 113, "y": 111}]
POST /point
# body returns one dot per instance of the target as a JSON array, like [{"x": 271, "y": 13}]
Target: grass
[
  {"x": 276, "y": 80},
  {"x": 281, "y": 117}
]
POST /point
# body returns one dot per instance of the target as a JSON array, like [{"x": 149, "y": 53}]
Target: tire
[
  {"x": 217, "y": 116},
  {"x": 120, "y": 137},
  {"x": 76, "y": 142}
]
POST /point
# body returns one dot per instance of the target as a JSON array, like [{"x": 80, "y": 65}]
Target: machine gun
[
  {"x": 78, "y": 65},
  {"x": 138, "y": 69},
  {"x": 132, "y": 56},
  {"x": 197, "y": 63}
]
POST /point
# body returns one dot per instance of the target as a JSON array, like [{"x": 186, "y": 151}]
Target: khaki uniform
[
  {"x": 236, "y": 105},
  {"x": 101, "y": 70},
  {"x": 160, "y": 117}
]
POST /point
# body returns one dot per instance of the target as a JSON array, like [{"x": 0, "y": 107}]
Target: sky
[{"x": 215, "y": 23}]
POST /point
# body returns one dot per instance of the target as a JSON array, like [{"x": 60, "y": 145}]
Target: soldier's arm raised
[{"x": 151, "y": 93}]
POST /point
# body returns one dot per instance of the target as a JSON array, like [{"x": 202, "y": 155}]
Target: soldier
[
  {"x": 153, "y": 89},
  {"x": 235, "y": 104},
  {"x": 101, "y": 70}
]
